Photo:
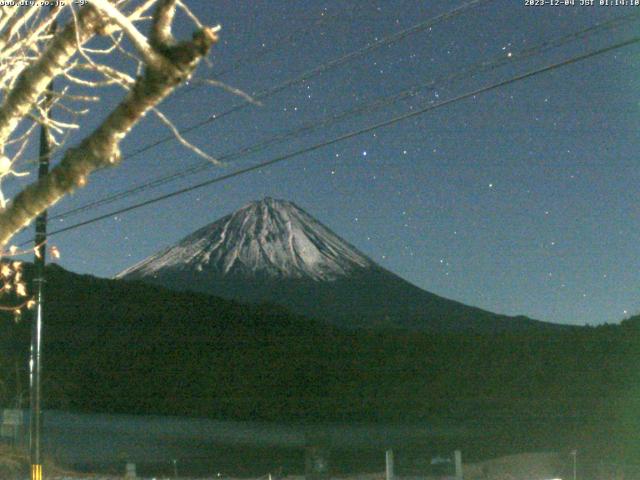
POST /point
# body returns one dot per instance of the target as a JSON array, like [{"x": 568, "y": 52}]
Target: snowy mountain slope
[
  {"x": 272, "y": 251},
  {"x": 271, "y": 238}
]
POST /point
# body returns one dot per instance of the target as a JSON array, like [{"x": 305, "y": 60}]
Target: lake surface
[{"x": 159, "y": 445}]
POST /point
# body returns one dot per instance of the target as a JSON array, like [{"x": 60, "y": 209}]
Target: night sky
[{"x": 521, "y": 200}]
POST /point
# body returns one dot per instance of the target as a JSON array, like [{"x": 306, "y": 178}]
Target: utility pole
[
  {"x": 457, "y": 458},
  {"x": 389, "y": 474},
  {"x": 35, "y": 361}
]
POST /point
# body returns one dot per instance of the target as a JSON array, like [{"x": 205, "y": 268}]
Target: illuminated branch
[{"x": 172, "y": 63}]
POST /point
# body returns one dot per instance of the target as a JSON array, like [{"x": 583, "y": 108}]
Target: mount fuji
[{"x": 272, "y": 251}]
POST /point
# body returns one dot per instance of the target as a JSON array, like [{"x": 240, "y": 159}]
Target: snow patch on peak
[{"x": 270, "y": 237}]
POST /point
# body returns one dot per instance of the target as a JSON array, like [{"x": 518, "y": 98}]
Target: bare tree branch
[
  {"x": 161, "y": 35},
  {"x": 175, "y": 63},
  {"x": 34, "y": 80},
  {"x": 183, "y": 141},
  {"x": 137, "y": 38}
]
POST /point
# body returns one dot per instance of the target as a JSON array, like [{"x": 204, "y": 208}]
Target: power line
[
  {"x": 387, "y": 40},
  {"x": 384, "y": 41},
  {"x": 353, "y": 134},
  {"x": 397, "y": 36},
  {"x": 479, "y": 67},
  {"x": 259, "y": 53}
]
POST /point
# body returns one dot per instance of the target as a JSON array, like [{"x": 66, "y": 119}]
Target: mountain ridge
[{"x": 273, "y": 251}]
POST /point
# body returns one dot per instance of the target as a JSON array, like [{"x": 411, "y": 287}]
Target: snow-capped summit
[{"x": 266, "y": 238}]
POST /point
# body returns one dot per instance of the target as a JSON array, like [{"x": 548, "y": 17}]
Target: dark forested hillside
[{"x": 111, "y": 346}]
